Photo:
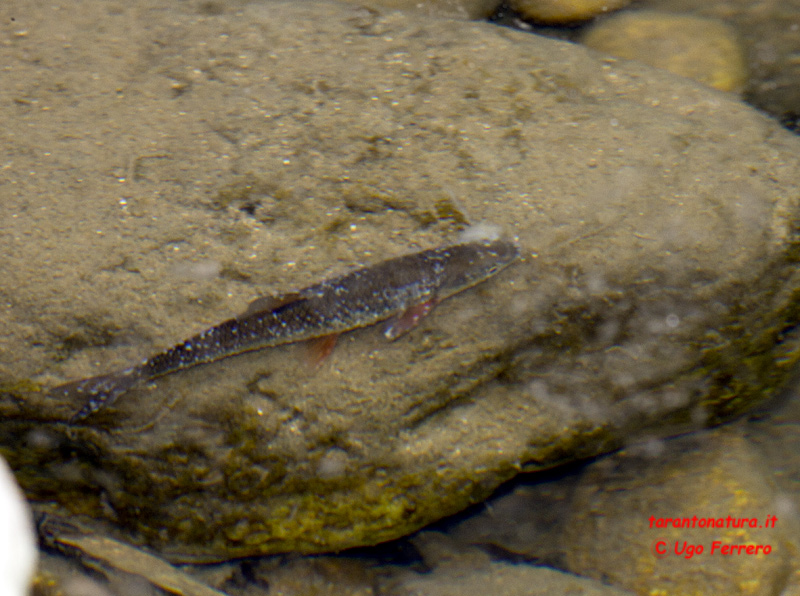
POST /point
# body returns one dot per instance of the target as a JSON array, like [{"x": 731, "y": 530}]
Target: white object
[{"x": 18, "y": 550}]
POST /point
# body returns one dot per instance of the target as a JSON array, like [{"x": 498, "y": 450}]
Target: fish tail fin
[{"x": 98, "y": 392}]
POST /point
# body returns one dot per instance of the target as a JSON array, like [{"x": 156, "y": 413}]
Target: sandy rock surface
[{"x": 165, "y": 164}]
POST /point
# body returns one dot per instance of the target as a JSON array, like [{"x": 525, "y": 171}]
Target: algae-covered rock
[{"x": 167, "y": 164}]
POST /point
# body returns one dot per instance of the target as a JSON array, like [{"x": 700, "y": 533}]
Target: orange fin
[
  {"x": 320, "y": 348},
  {"x": 267, "y": 303},
  {"x": 409, "y": 319}
]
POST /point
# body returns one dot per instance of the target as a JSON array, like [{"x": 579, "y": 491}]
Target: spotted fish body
[{"x": 405, "y": 288}]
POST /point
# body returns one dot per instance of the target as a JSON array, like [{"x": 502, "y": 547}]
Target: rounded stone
[
  {"x": 702, "y": 49},
  {"x": 698, "y": 518},
  {"x": 565, "y": 11}
]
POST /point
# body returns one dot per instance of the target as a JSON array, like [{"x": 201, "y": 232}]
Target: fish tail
[{"x": 98, "y": 392}]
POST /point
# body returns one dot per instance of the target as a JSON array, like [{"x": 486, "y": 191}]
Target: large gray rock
[{"x": 164, "y": 164}]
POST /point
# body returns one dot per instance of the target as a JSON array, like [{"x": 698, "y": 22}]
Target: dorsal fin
[{"x": 268, "y": 303}]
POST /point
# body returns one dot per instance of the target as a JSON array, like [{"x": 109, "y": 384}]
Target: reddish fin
[
  {"x": 267, "y": 303},
  {"x": 320, "y": 348},
  {"x": 409, "y": 319}
]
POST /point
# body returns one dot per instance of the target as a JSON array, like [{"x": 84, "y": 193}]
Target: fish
[{"x": 403, "y": 289}]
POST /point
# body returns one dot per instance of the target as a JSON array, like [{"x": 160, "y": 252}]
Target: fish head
[{"x": 472, "y": 262}]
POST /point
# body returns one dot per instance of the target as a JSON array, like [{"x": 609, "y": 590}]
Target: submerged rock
[
  {"x": 287, "y": 142},
  {"x": 702, "y": 517},
  {"x": 702, "y": 49}
]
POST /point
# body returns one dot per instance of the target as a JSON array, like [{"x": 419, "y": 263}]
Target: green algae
[{"x": 753, "y": 353}]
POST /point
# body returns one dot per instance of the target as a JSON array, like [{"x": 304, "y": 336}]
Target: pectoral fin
[
  {"x": 320, "y": 348},
  {"x": 409, "y": 319}
]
